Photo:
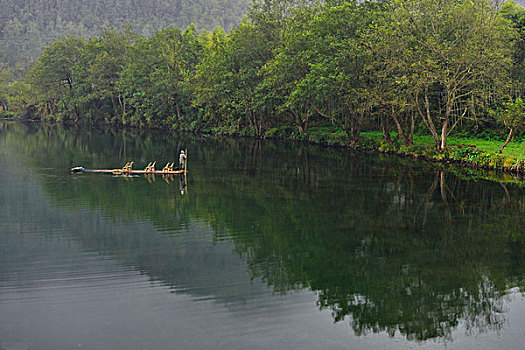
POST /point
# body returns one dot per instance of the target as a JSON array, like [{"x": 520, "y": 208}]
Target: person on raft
[{"x": 182, "y": 159}]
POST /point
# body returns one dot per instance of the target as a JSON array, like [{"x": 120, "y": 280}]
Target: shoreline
[
  {"x": 516, "y": 172},
  {"x": 373, "y": 147},
  {"x": 492, "y": 162}
]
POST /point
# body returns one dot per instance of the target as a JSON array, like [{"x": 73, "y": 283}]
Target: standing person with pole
[
  {"x": 183, "y": 165},
  {"x": 182, "y": 160}
]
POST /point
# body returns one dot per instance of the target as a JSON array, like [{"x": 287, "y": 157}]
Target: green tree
[
  {"x": 135, "y": 82},
  {"x": 233, "y": 76},
  {"x": 54, "y": 79},
  {"x": 512, "y": 118},
  {"x": 154, "y": 85},
  {"x": 213, "y": 83},
  {"x": 390, "y": 91},
  {"x": 454, "y": 52},
  {"x": 5, "y": 79},
  {"x": 20, "y": 99},
  {"x": 285, "y": 72},
  {"x": 178, "y": 54},
  {"x": 339, "y": 78},
  {"x": 103, "y": 60},
  {"x": 249, "y": 51}
]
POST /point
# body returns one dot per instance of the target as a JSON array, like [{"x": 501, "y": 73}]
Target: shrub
[
  {"x": 7, "y": 114},
  {"x": 519, "y": 166}
]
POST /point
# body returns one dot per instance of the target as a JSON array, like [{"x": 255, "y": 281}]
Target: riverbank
[
  {"x": 474, "y": 156},
  {"x": 467, "y": 152},
  {"x": 468, "y": 158}
]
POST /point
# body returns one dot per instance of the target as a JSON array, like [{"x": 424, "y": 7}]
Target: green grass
[
  {"x": 485, "y": 154},
  {"x": 514, "y": 149}
]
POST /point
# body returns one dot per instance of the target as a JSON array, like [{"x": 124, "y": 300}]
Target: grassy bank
[
  {"x": 515, "y": 149},
  {"x": 468, "y": 152}
]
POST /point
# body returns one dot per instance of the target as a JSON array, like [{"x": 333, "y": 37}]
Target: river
[{"x": 263, "y": 245}]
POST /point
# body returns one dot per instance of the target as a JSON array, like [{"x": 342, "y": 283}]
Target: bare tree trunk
[
  {"x": 259, "y": 121},
  {"x": 52, "y": 107},
  {"x": 250, "y": 121},
  {"x": 399, "y": 128},
  {"x": 177, "y": 107},
  {"x": 427, "y": 118},
  {"x": 122, "y": 103},
  {"x": 443, "y": 144},
  {"x": 412, "y": 128},
  {"x": 302, "y": 125},
  {"x": 386, "y": 133},
  {"x": 509, "y": 137},
  {"x": 115, "y": 106},
  {"x": 298, "y": 123}
]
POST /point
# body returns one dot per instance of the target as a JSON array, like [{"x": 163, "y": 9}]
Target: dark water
[{"x": 267, "y": 246}]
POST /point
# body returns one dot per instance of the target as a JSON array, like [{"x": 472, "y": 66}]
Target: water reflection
[{"x": 387, "y": 245}]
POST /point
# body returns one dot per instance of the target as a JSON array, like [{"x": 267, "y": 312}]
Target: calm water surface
[{"x": 265, "y": 246}]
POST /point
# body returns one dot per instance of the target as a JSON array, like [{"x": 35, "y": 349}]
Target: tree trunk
[
  {"x": 427, "y": 119},
  {"x": 410, "y": 136},
  {"x": 52, "y": 107},
  {"x": 399, "y": 128},
  {"x": 443, "y": 143},
  {"x": 177, "y": 107},
  {"x": 122, "y": 102},
  {"x": 386, "y": 133},
  {"x": 298, "y": 123},
  {"x": 350, "y": 136},
  {"x": 302, "y": 125},
  {"x": 250, "y": 121},
  {"x": 115, "y": 106},
  {"x": 259, "y": 122},
  {"x": 509, "y": 137}
]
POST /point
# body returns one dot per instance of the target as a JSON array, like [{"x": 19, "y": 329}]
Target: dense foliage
[
  {"x": 398, "y": 66},
  {"x": 26, "y": 26}
]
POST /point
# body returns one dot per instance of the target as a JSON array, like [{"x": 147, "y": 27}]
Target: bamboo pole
[
  {"x": 185, "y": 165},
  {"x": 185, "y": 170}
]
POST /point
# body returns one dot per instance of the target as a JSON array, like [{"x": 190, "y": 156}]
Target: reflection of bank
[
  {"x": 389, "y": 247},
  {"x": 421, "y": 259}
]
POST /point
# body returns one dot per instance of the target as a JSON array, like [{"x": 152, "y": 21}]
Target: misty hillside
[{"x": 26, "y": 26}]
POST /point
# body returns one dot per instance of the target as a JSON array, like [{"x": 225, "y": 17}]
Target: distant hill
[{"x": 26, "y": 26}]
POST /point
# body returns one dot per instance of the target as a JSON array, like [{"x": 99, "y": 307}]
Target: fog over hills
[{"x": 26, "y": 26}]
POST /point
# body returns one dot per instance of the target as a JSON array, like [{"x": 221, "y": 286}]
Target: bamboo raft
[{"x": 128, "y": 170}]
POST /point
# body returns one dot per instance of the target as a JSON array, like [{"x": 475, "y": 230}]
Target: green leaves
[
  {"x": 291, "y": 64},
  {"x": 512, "y": 116},
  {"x": 456, "y": 55}
]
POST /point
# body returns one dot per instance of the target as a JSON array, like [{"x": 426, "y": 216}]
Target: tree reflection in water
[{"x": 387, "y": 244}]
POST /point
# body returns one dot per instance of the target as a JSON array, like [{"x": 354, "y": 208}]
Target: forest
[
  {"x": 26, "y": 26},
  {"x": 401, "y": 67}
]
